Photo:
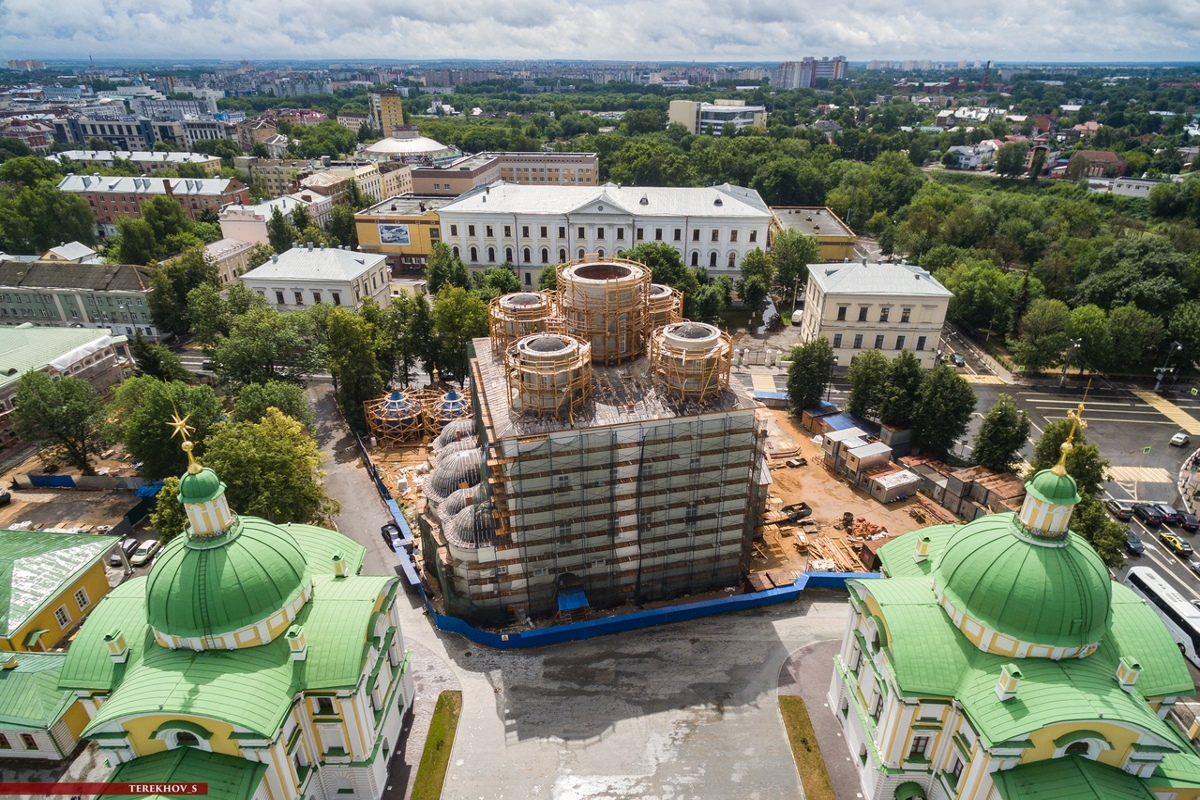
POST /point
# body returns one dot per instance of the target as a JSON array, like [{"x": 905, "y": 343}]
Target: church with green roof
[
  {"x": 253, "y": 657},
  {"x": 998, "y": 661}
]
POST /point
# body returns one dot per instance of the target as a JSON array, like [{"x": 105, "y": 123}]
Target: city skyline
[{"x": 635, "y": 30}]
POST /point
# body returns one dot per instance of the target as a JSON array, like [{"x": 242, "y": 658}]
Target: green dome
[
  {"x": 1058, "y": 594},
  {"x": 199, "y": 487},
  {"x": 206, "y": 587},
  {"x": 1060, "y": 490}
]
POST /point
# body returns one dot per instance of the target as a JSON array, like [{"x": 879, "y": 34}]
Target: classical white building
[
  {"x": 248, "y": 223},
  {"x": 887, "y": 307},
  {"x": 532, "y": 226},
  {"x": 305, "y": 276}
]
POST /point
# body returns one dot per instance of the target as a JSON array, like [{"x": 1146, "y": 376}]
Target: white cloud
[{"x": 643, "y": 30}]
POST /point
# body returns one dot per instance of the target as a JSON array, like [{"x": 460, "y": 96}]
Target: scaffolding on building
[
  {"x": 446, "y": 408},
  {"x": 690, "y": 360},
  {"x": 665, "y": 306},
  {"x": 514, "y": 316},
  {"x": 395, "y": 418},
  {"x": 549, "y": 374},
  {"x": 605, "y": 302}
]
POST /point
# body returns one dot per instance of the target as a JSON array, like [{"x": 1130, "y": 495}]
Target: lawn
[
  {"x": 431, "y": 773},
  {"x": 813, "y": 775}
]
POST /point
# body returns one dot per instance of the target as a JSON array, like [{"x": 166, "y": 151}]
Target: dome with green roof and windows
[{"x": 227, "y": 581}]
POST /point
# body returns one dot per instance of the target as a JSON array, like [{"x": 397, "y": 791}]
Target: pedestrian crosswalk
[
  {"x": 1171, "y": 411},
  {"x": 990, "y": 380},
  {"x": 1140, "y": 475},
  {"x": 763, "y": 383}
]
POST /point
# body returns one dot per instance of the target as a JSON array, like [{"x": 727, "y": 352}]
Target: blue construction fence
[{"x": 620, "y": 623}]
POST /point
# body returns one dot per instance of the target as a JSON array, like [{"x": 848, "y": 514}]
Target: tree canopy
[{"x": 64, "y": 417}]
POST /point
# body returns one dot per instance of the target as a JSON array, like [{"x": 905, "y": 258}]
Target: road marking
[
  {"x": 1140, "y": 474},
  {"x": 1073, "y": 403},
  {"x": 983, "y": 379},
  {"x": 1170, "y": 411},
  {"x": 762, "y": 383}
]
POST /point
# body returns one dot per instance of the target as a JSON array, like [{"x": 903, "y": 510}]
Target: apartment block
[{"x": 112, "y": 197}]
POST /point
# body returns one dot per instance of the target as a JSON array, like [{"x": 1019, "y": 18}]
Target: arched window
[
  {"x": 474, "y": 254},
  {"x": 186, "y": 739},
  {"x": 491, "y": 255},
  {"x": 562, "y": 256},
  {"x": 732, "y": 260},
  {"x": 1078, "y": 749},
  {"x": 695, "y": 258},
  {"x": 508, "y": 255},
  {"x": 581, "y": 254},
  {"x": 454, "y": 250},
  {"x": 545, "y": 256},
  {"x": 600, "y": 253},
  {"x": 525, "y": 255},
  {"x": 712, "y": 258}
]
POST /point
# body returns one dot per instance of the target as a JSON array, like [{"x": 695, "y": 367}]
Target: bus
[{"x": 1182, "y": 618}]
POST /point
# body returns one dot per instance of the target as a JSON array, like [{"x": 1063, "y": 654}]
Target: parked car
[
  {"x": 390, "y": 532},
  {"x": 144, "y": 552},
  {"x": 127, "y": 547},
  {"x": 5, "y": 497},
  {"x": 1188, "y": 522},
  {"x": 1133, "y": 545},
  {"x": 1169, "y": 514},
  {"x": 1121, "y": 509},
  {"x": 1176, "y": 545},
  {"x": 1194, "y": 566},
  {"x": 1148, "y": 514},
  {"x": 1180, "y": 439},
  {"x": 957, "y": 360}
]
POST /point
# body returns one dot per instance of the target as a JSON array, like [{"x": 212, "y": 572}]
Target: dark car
[
  {"x": 1120, "y": 509},
  {"x": 1148, "y": 514},
  {"x": 1133, "y": 545},
  {"x": 127, "y": 546},
  {"x": 957, "y": 360},
  {"x": 1169, "y": 514},
  {"x": 1188, "y": 522},
  {"x": 390, "y": 532},
  {"x": 1176, "y": 545},
  {"x": 5, "y": 497}
]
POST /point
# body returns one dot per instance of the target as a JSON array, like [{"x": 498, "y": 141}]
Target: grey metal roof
[
  {"x": 900, "y": 280},
  {"x": 88, "y": 277},
  {"x": 318, "y": 264}
]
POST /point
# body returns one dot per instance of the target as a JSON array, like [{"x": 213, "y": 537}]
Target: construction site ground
[{"x": 792, "y": 548}]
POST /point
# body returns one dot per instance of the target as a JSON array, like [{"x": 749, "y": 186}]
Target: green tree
[
  {"x": 793, "y": 251},
  {"x": 135, "y": 242},
  {"x": 64, "y": 418},
  {"x": 271, "y": 469},
  {"x": 301, "y": 220},
  {"x": 1084, "y": 462},
  {"x": 1043, "y": 334},
  {"x": 458, "y": 317},
  {"x": 945, "y": 403},
  {"x": 444, "y": 268},
  {"x": 265, "y": 345},
  {"x": 171, "y": 281},
  {"x": 254, "y": 399},
  {"x": 166, "y": 218},
  {"x": 1106, "y": 536},
  {"x": 259, "y": 254},
  {"x": 156, "y": 360},
  {"x": 1184, "y": 327},
  {"x": 548, "y": 278},
  {"x": 140, "y": 411},
  {"x": 168, "y": 517},
  {"x": 414, "y": 322},
  {"x": 28, "y": 171},
  {"x": 812, "y": 363},
  {"x": 1010, "y": 159},
  {"x": 1002, "y": 434},
  {"x": 495, "y": 281},
  {"x": 340, "y": 228},
  {"x": 350, "y": 341},
  {"x": 281, "y": 233},
  {"x": 1135, "y": 334},
  {"x": 868, "y": 376},
  {"x": 900, "y": 395},
  {"x": 1089, "y": 325}
]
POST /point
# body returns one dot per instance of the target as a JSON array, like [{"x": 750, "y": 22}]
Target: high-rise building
[{"x": 387, "y": 111}]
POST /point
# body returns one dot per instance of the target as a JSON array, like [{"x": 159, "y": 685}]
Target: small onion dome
[
  {"x": 1051, "y": 487},
  {"x": 200, "y": 487}
]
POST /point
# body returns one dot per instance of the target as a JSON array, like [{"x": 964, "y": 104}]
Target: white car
[
  {"x": 144, "y": 553},
  {"x": 1180, "y": 440}
]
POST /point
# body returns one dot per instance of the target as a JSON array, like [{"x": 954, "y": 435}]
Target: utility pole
[
  {"x": 1159, "y": 372},
  {"x": 1067, "y": 361}
]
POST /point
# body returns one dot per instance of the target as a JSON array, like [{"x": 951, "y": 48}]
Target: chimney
[
  {"x": 1010, "y": 679},
  {"x": 9, "y": 663},
  {"x": 297, "y": 642},
  {"x": 310, "y": 245},
  {"x": 118, "y": 648},
  {"x": 341, "y": 569},
  {"x": 921, "y": 552},
  {"x": 1128, "y": 671},
  {"x": 275, "y": 259}
]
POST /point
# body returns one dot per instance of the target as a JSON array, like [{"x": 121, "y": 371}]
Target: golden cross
[{"x": 180, "y": 426}]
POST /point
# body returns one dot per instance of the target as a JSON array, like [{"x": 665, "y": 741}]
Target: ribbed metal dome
[
  {"x": 1053, "y": 593},
  {"x": 451, "y": 472},
  {"x": 207, "y": 587},
  {"x": 474, "y": 526},
  {"x": 454, "y": 431}
]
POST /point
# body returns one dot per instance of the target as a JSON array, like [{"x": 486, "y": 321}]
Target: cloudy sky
[{"x": 668, "y": 30}]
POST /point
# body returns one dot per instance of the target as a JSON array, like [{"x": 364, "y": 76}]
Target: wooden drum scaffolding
[
  {"x": 665, "y": 306},
  {"x": 520, "y": 314},
  {"x": 690, "y": 360},
  {"x": 549, "y": 374},
  {"x": 605, "y": 302}
]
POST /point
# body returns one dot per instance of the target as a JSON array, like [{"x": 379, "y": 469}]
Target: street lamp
[
  {"x": 1067, "y": 361},
  {"x": 829, "y": 386},
  {"x": 1165, "y": 368}
]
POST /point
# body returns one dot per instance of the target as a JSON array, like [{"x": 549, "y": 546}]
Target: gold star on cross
[{"x": 180, "y": 426}]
